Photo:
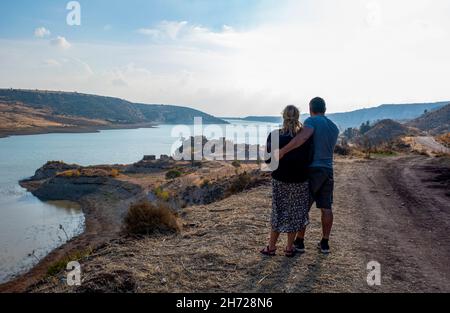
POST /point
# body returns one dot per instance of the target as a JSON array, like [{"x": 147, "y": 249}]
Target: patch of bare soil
[{"x": 403, "y": 221}]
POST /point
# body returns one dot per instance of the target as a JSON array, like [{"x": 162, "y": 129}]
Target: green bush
[
  {"x": 172, "y": 174},
  {"x": 61, "y": 264}
]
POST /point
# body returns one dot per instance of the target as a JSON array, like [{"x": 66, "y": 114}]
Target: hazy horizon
[{"x": 232, "y": 58}]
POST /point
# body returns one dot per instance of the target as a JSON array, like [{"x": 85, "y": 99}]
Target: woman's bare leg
[
  {"x": 290, "y": 242},
  {"x": 273, "y": 240}
]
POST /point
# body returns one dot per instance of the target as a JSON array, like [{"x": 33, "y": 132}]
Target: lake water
[{"x": 29, "y": 228}]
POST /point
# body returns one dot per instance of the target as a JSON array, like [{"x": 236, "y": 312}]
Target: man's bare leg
[
  {"x": 301, "y": 234},
  {"x": 327, "y": 223},
  {"x": 299, "y": 242}
]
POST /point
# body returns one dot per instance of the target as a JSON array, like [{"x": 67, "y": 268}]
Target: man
[{"x": 325, "y": 135}]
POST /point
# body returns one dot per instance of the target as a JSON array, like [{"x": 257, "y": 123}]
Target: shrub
[
  {"x": 236, "y": 163},
  {"x": 240, "y": 183},
  {"x": 145, "y": 218},
  {"x": 172, "y": 174},
  {"x": 342, "y": 150},
  {"x": 161, "y": 194},
  {"x": 114, "y": 172},
  {"x": 61, "y": 264},
  {"x": 384, "y": 152},
  {"x": 205, "y": 183}
]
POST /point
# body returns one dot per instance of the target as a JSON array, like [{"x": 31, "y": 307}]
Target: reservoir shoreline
[
  {"x": 5, "y": 133},
  {"x": 102, "y": 223}
]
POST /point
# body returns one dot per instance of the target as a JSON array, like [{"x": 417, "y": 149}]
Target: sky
[{"x": 231, "y": 57}]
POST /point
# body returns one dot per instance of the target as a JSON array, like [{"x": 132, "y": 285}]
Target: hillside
[
  {"x": 436, "y": 122},
  {"x": 388, "y": 130},
  {"x": 32, "y": 111},
  {"x": 399, "y": 112}
]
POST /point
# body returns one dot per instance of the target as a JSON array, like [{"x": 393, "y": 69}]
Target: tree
[
  {"x": 365, "y": 127},
  {"x": 350, "y": 133}
]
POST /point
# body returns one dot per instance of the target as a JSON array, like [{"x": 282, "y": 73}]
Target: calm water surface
[{"x": 29, "y": 228}]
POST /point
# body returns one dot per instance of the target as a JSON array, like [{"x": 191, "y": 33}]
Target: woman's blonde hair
[{"x": 291, "y": 121}]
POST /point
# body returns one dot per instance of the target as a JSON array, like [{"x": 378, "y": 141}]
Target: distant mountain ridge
[
  {"x": 113, "y": 110},
  {"x": 398, "y": 112}
]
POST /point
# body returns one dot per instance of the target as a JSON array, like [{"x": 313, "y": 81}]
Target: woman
[{"x": 290, "y": 187}]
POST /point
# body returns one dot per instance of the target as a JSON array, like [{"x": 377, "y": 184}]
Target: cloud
[
  {"x": 189, "y": 34},
  {"x": 165, "y": 29},
  {"x": 69, "y": 66},
  {"x": 52, "y": 63},
  {"x": 119, "y": 82},
  {"x": 61, "y": 43},
  {"x": 41, "y": 32},
  {"x": 354, "y": 53}
]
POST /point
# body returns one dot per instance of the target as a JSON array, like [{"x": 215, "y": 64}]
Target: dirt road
[
  {"x": 402, "y": 212},
  {"x": 395, "y": 211},
  {"x": 431, "y": 145}
]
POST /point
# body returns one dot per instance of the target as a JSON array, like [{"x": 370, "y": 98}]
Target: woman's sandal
[
  {"x": 267, "y": 252},
  {"x": 290, "y": 253}
]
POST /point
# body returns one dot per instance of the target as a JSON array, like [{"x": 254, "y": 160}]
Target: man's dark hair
[{"x": 318, "y": 106}]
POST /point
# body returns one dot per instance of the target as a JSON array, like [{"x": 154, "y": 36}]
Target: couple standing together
[{"x": 304, "y": 176}]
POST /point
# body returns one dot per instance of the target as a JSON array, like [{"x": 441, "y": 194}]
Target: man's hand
[
  {"x": 297, "y": 142},
  {"x": 277, "y": 155}
]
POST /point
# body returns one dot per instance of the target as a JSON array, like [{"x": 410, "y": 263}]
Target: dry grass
[
  {"x": 145, "y": 219},
  {"x": 90, "y": 172},
  {"x": 69, "y": 173},
  {"x": 218, "y": 252},
  {"x": 444, "y": 139}
]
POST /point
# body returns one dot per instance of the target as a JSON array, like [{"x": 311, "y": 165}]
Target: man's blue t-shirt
[{"x": 325, "y": 137}]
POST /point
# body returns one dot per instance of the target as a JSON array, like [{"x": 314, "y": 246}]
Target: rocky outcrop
[
  {"x": 149, "y": 164},
  {"x": 75, "y": 188},
  {"x": 51, "y": 183},
  {"x": 51, "y": 169}
]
